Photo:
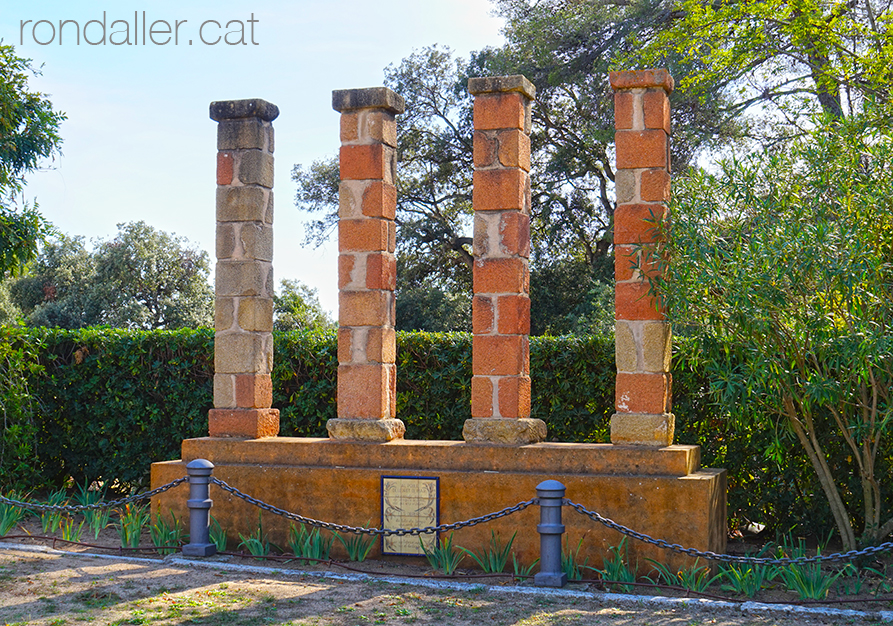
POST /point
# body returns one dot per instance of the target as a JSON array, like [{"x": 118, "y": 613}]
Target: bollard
[
  {"x": 550, "y": 528},
  {"x": 199, "y": 504}
]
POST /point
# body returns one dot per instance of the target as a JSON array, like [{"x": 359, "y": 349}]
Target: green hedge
[{"x": 103, "y": 404}]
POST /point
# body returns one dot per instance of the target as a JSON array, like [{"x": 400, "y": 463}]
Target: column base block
[
  {"x": 365, "y": 429},
  {"x": 643, "y": 429},
  {"x": 244, "y": 423},
  {"x": 504, "y": 430}
]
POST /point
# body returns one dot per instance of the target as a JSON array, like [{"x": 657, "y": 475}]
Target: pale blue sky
[{"x": 138, "y": 144}]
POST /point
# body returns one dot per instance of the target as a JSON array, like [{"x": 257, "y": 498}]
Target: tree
[
  {"x": 28, "y": 133},
  {"x": 785, "y": 60},
  {"x": 782, "y": 267},
  {"x": 143, "y": 278},
  {"x": 297, "y": 307}
]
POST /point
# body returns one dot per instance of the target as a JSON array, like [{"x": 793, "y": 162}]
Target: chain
[
  {"x": 384, "y": 532},
  {"x": 726, "y": 558},
  {"x": 59, "y": 508}
]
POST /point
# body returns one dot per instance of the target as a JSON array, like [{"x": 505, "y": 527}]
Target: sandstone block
[
  {"x": 238, "y": 109},
  {"x": 243, "y": 134},
  {"x": 243, "y": 353},
  {"x": 365, "y": 308},
  {"x": 256, "y": 314},
  {"x": 641, "y": 79},
  {"x": 499, "y": 430},
  {"x": 243, "y": 423},
  {"x": 369, "y": 98},
  {"x": 243, "y": 278},
  {"x": 257, "y": 241},
  {"x": 501, "y": 84},
  {"x": 350, "y": 198},
  {"x": 626, "y": 350},
  {"x": 657, "y": 346},
  {"x": 643, "y": 429},
  {"x": 226, "y": 240},
  {"x": 224, "y": 312},
  {"x": 347, "y": 263},
  {"x": 224, "y": 391},
  {"x": 378, "y": 430},
  {"x": 243, "y": 204},
  {"x": 256, "y": 168},
  {"x": 625, "y": 186},
  {"x": 484, "y": 149}
]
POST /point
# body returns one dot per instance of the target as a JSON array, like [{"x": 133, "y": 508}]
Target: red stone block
[
  {"x": 224, "y": 168},
  {"x": 499, "y": 189},
  {"x": 345, "y": 345},
  {"x": 514, "y": 396},
  {"x": 643, "y": 393},
  {"x": 514, "y": 149},
  {"x": 501, "y": 276},
  {"x": 365, "y": 308},
  {"x": 641, "y": 148},
  {"x": 254, "y": 391},
  {"x": 655, "y": 185},
  {"x": 380, "y": 200},
  {"x": 485, "y": 149},
  {"x": 482, "y": 315},
  {"x": 632, "y": 302},
  {"x": 243, "y": 423},
  {"x": 381, "y": 271},
  {"x": 501, "y": 110},
  {"x": 638, "y": 223},
  {"x": 364, "y": 162},
  {"x": 623, "y": 110},
  {"x": 345, "y": 268},
  {"x": 657, "y": 110},
  {"x": 500, "y": 355},
  {"x": 363, "y": 235},
  {"x": 363, "y": 391},
  {"x": 481, "y": 397},
  {"x": 513, "y": 313},
  {"x": 514, "y": 233}
]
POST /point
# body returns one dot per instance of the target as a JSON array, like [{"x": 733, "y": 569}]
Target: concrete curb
[{"x": 612, "y": 598}]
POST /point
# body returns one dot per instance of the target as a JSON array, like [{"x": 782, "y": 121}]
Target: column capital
[
  {"x": 501, "y": 84},
  {"x": 642, "y": 79},
  {"x": 344, "y": 100},
  {"x": 240, "y": 109}
]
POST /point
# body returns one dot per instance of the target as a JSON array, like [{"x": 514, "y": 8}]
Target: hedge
[{"x": 102, "y": 404}]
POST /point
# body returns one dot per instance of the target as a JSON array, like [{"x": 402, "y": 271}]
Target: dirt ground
[{"x": 54, "y": 588}]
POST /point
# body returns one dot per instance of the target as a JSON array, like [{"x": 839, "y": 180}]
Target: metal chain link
[
  {"x": 726, "y": 558},
  {"x": 384, "y": 532},
  {"x": 75, "y": 508}
]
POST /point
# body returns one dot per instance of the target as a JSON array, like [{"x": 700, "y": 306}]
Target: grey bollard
[
  {"x": 550, "y": 528},
  {"x": 199, "y": 503}
]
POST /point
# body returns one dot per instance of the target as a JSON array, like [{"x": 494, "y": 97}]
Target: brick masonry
[
  {"x": 243, "y": 318},
  {"x": 367, "y": 267},
  {"x": 500, "y": 385},
  {"x": 643, "y": 337}
]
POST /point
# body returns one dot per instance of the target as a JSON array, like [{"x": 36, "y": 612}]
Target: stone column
[
  {"x": 243, "y": 312},
  {"x": 367, "y": 267},
  {"x": 500, "y": 385},
  {"x": 643, "y": 338}
]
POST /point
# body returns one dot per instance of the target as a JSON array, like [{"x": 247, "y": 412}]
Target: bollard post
[
  {"x": 550, "y": 528},
  {"x": 199, "y": 503}
]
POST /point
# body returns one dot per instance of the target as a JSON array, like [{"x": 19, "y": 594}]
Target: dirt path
[{"x": 52, "y": 588}]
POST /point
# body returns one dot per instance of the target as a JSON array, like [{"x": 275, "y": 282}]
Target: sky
[{"x": 138, "y": 142}]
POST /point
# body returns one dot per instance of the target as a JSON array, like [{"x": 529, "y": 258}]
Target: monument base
[{"x": 658, "y": 491}]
